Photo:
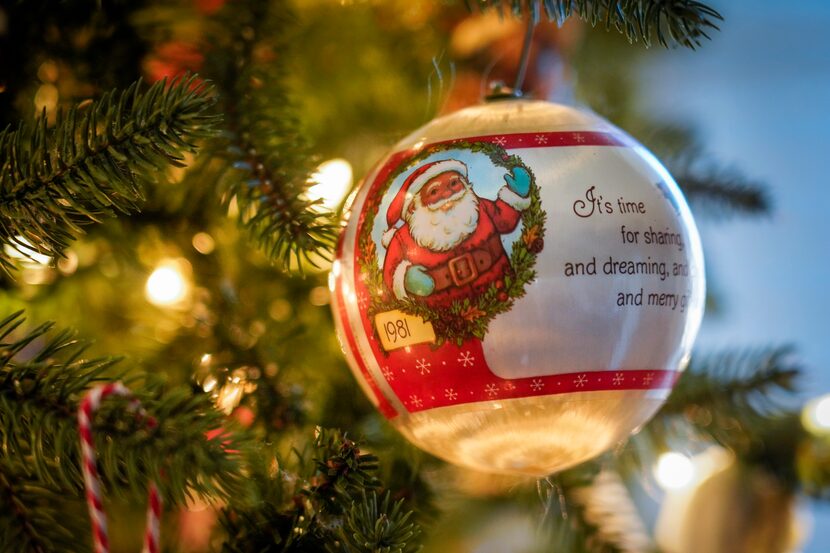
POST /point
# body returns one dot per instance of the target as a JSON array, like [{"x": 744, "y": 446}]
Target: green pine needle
[
  {"x": 683, "y": 22},
  {"x": 723, "y": 192},
  {"x": 95, "y": 161},
  {"x": 342, "y": 469},
  {"x": 33, "y": 517},
  {"x": 323, "y": 500},
  {"x": 731, "y": 398},
  {"x": 264, "y": 143},
  {"x": 735, "y": 381},
  {"x": 373, "y": 526},
  {"x": 563, "y": 523},
  {"x": 44, "y": 375}
]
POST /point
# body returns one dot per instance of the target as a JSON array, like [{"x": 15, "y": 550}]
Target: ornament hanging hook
[
  {"x": 498, "y": 89},
  {"x": 525, "y": 56}
]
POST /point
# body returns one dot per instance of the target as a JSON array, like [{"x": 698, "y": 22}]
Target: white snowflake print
[
  {"x": 362, "y": 301},
  {"x": 580, "y": 380},
  {"x": 388, "y": 374},
  {"x": 450, "y": 394},
  {"x": 618, "y": 379},
  {"x": 500, "y": 140},
  {"x": 466, "y": 359},
  {"x": 541, "y": 139},
  {"x": 537, "y": 384},
  {"x": 423, "y": 366},
  {"x": 415, "y": 401},
  {"x": 509, "y": 386},
  {"x": 648, "y": 378},
  {"x": 578, "y": 137},
  {"x": 492, "y": 390}
]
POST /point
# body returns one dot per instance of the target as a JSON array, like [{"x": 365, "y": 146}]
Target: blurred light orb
[
  {"x": 816, "y": 415},
  {"x": 209, "y": 384},
  {"x": 319, "y": 296},
  {"x": 46, "y": 97},
  {"x": 69, "y": 263},
  {"x": 674, "y": 471},
  {"x": 332, "y": 181},
  {"x": 166, "y": 285},
  {"x": 48, "y": 71},
  {"x": 203, "y": 243}
]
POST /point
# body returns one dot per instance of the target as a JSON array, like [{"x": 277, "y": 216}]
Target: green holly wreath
[{"x": 465, "y": 318}]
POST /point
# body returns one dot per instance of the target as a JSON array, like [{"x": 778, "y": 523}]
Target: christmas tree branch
[
  {"x": 372, "y": 526},
  {"x": 718, "y": 190},
  {"x": 731, "y": 398},
  {"x": 612, "y": 522},
  {"x": 34, "y": 517},
  {"x": 571, "y": 520},
  {"x": 328, "y": 502},
  {"x": 683, "y": 22},
  {"x": 42, "y": 379},
  {"x": 734, "y": 381},
  {"x": 94, "y": 162},
  {"x": 263, "y": 139}
]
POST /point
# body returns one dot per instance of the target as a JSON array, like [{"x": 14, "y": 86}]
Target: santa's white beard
[{"x": 439, "y": 230}]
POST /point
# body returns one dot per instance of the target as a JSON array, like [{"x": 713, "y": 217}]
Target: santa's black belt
[{"x": 465, "y": 268}]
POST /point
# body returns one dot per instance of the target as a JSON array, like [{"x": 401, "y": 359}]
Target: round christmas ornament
[{"x": 517, "y": 286}]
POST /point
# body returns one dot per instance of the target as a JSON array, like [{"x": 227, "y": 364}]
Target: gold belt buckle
[{"x": 462, "y": 269}]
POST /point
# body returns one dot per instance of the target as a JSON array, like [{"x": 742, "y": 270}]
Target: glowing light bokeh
[
  {"x": 816, "y": 415},
  {"x": 333, "y": 179},
  {"x": 674, "y": 471},
  {"x": 166, "y": 285}
]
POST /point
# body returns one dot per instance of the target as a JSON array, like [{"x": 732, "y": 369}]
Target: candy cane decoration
[{"x": 89, "y": 405}]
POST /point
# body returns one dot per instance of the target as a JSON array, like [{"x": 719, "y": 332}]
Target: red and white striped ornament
[{"x": 97, "y": 516}]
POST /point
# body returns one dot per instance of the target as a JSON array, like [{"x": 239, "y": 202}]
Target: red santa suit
[{"x": 468, "y": 268}]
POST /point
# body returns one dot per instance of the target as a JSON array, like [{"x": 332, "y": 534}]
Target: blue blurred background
[{"x": 760, "y": 95}]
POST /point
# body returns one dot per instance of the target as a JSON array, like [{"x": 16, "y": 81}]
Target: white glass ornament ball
[{"x": 518, "y": 285}]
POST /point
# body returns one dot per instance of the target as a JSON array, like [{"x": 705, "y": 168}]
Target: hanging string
[
  {"x": 499, "y": 89},
  {"x": 442, "y": 94},
  {"x": 525, "y": 56}
]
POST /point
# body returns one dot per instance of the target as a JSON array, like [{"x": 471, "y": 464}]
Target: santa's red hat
[{"x": 411, "y": 186}]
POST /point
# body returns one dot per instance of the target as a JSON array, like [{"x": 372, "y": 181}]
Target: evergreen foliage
[
  {"x": 43, "y": 376},
  {"x": 377, "y": 526},
  {"x": 95, "y": 162},
  {"x": 736, "y": 382},
  {"x": 683, "y": 22},
  {"x": 324, "y": 499},
  {"x": 34, "y": 515},
  {"x": 723, "y": 192},
  {"x": 268, "y": 156},
  {"x": 101, "y": 158}
]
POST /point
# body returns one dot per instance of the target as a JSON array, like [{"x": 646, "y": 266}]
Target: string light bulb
[
  {"x": 167, "y": 285},
  {"x": 332, "y": 181},
  {"x": 816, "y": 415},
  {"x": 673, "y": 471}
]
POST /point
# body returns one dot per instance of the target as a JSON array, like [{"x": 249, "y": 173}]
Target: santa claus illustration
[{"x": 444, "y": 241}]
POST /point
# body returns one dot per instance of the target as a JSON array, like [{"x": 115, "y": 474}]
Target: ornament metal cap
[{"x": 498, "y": 90}]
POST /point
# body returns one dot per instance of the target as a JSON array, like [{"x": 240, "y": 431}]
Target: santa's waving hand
[{"x": 443, "y": 241}]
